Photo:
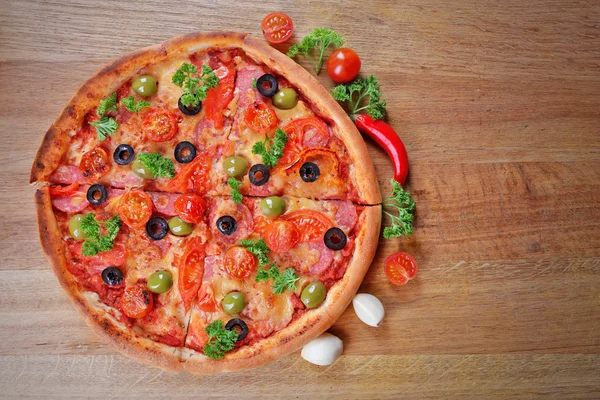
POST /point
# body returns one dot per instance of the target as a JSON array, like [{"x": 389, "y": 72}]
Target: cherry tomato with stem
[
  {"x": 277, "y": 27},
  {"x": 400, "y": 268},
  {"x": 343, "y": 65}
]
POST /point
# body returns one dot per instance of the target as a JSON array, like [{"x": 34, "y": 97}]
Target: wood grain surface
[{"x": 498, "y": 103}]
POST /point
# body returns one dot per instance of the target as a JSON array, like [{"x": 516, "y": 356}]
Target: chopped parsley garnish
[
  {"x": 259, "y": 248},
  {"x": 105, "y": 127},
  {"x": 95, "y": 242},
  {"x": 402, "y": 224},
  {"x": 320, "y": 39},
  {"x": 132, "y": 105},
  {"x": 158, "y": 164},
  {"x": 220, "y": 340},
  {"x": 107, "y": 104},
  {"x": 195, "y": 87},
  {"x": 281, "y": 281},
  {"x": 354, "y": 93},
  {"x": 271, "y": 150},
  {"x": 236, "y": 195},
  {"x": 254, "y": 83}
]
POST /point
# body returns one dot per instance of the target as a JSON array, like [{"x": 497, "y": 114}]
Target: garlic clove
[
  {"x": 323, "y": 350},
  {"x": 368, "y": 309}
]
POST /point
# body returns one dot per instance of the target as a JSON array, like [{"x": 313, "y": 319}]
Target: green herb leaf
[
  {"x": 220, "y": 340},
  {"x": 319, "y": 39},
  {"x": 195, "y": 86},
  {"x": 284, "y": 281},
  {"x": 131, "y": 105},
  {"x": 107, "y": 104},
  {"x": 158, "y": 164},
  {"x": 105, "y": 127},
  {"x": 236, "y": 195},
  {"x": 95, "y": 242},
  {"x": 354, "y": 93},
  {"x": 401, "y": 200},
  {"x": 271, "y": 150},
  {"x": 259, "y": 248},
  {"x": 254, "y": 83}
]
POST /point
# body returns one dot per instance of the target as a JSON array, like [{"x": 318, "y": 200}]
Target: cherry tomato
[
  {"x": 261, "y": 224},
  {"x": 312, "y": 224},
  {"x": 190, "y": 208},
  {"x": 343, "y": 65},
  {"x": 277, "y": 27},
  {"x": 191, "y": 270},
  {"x": 261, "y": 118},
  {"x": 206, "y": 298},
  {"x": 63, "y": 190},
  {"x": 160, "y": 124},
  {"x": 135, "y": 208},
  {"x": 239, "y": 262},
  {"x": 194, "y": 176},
  {"x": 217, "y": 99},
  {"x": 137, "y": 301},
  {"x": 95, "y": 163},
  {"x": 400, "y": 268},
  {"x": 282, "y": 236},
  {"x": 302, "y": 133}
]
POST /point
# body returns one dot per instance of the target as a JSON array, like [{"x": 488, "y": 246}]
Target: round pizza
[{"x": 206, "y": 204}]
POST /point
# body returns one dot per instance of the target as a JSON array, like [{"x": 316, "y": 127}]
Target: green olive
[
  {"x": 234, "y": 303},
  {"x": 144, "y": 85},
  {"x": 235, "y": 166},
  {"x": 313, "y": 294},
  {"x": 160, "y": 282},
  {"x": 272, "y": 206},
  {"x": 75, "y": 227},
  {"x": 141, "y": 171},
  {"x": 285, "y": 99},
  {"x": 179, "y": 227}
]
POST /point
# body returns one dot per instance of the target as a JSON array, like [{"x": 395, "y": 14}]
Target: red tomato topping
[
  {"x": 135, "y": 208},
  {"x": 95, "y": 163},
  {"x": 160, "y": 124},
  {"x": 282, "y": 236},
  {"x": 261, "y": 118},
  {"x": 239, "y": 262},
  {"x": 400, "y": 268},
  {"x": 312, "y": 224},
  {"x": 191, "y": 270},
  {"x": 190, "y": 207},
  {"x": 277, "y": 27},
  {"x": 303, "y": 132},
  {"x": 343, "y": 65},
  {"x": 217, "y": 99},
  {"x": 63, "y": 190},
  {"x": 206, "y": 298},
  {"x": 137, "y": 301},
  {"x": 194, "y": 176},
  {"x": 261, "y": 224}
]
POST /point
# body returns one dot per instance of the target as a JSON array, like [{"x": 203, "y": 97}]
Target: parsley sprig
[
  {"x": 158, "y": 164},
  {"x": 220, "y": 340},
  {"x": 106, "y": 126},
  {"x": 402, "y": 224},
  {"x": 236, "y": 195},
  {"x": 95, "y": 242},
  {"x": 259, "y": 248},
  {"x": 271, "y": 150},
  {"x": 281, "y": 281},
  {"x": 107, "y": 104},
  {"x": 356, "y": 92},
  {"x": 195, "y": 86},
  {"x": 132, "y": 105},
  {"x": 320, "y": 39}
]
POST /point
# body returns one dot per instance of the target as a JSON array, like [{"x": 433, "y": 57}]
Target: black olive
[
  {"x": 227, "y": 225},
  {"x": 259, "y": 174},
  {"x": 240, "y": 324},
  {"x": 189, "y": 110},
  {"x": 267, "y": 85},
  {"x": 309, "y": 172},
  {"x": 335, "y": 239},
  {"x": 112, "y": 276},
  {"x": 157, "y": 228},
  {"x": 185, "y": 152},
  {"x": 123, "y": 154},
  {"x": 97, "y": 194}
]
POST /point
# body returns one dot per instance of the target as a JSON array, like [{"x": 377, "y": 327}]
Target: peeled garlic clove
[
  {"x": 368, "y": 309},
  {"x": 324, "y": 350}
]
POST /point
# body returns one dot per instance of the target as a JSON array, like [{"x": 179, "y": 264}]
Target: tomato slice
[
  {"x": 239, "y": 262},
  {"x": 95, "y": 163},
  {"x": 194, "y": 176},
  {"x": 135, "y": 208},
  {"x": 302, "y": 133},
  {"x": 206, "y": 298},
  {"x": 261, "y": 118},
  {"x": 312, "y": 224},
  {"x": 63, "y": 190},
  {"x": 261, "y": 224},
  {"x": 277, "y": 27},
  {"x": 160, "y": 124},
  {"x": 282, "y": 236},
  {"x": 137, "y": 301},
  {"x": 191, "y": 270},
  {"x": 400, "y": 268},
  {"x": 190, "y": 207},
  {"x": 326, "y": 159},
  {"x": 217, "y": 99}
]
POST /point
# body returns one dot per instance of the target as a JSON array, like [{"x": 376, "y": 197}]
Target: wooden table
[{"x": 498, "y": 103}]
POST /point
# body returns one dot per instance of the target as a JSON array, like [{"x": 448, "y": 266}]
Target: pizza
[{"x": 206, "y": 204}]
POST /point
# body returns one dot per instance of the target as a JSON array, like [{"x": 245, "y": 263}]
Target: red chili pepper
[{"x": 389, "y": 140}]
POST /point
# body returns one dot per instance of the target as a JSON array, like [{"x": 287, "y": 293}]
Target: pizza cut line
[{"x": 206, "y": 204}]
